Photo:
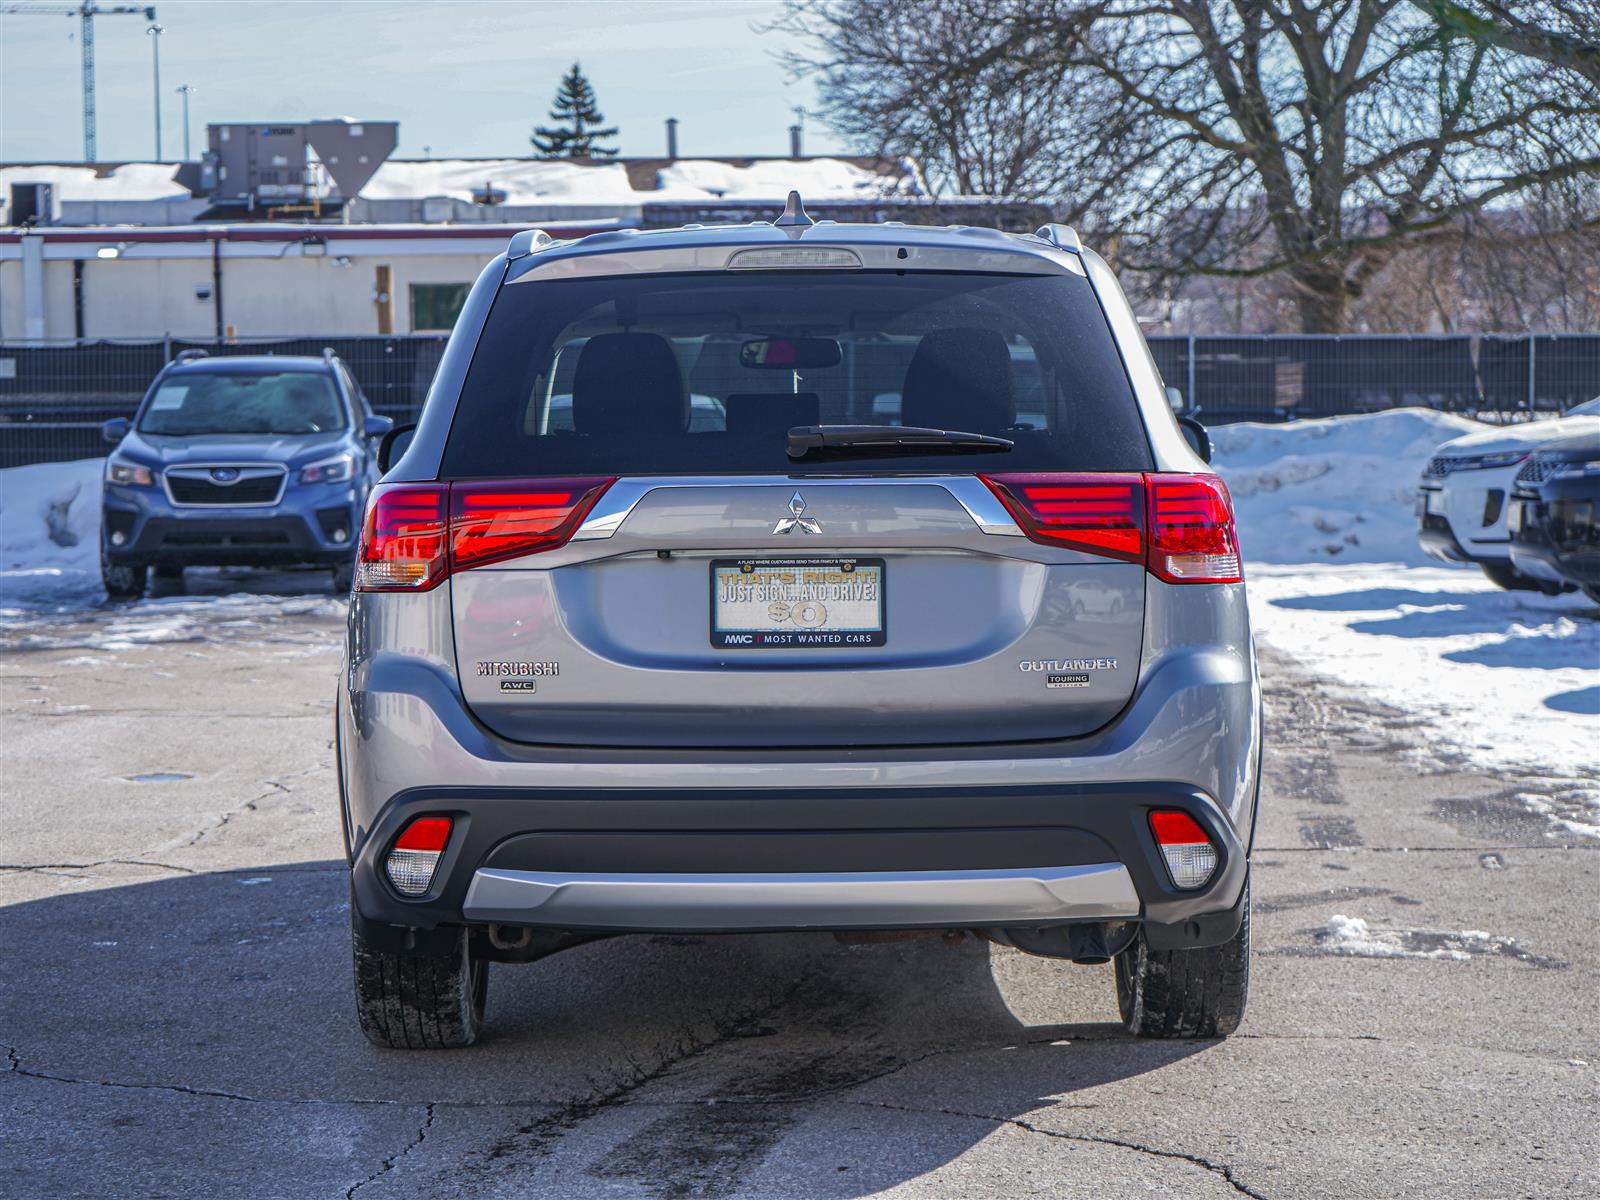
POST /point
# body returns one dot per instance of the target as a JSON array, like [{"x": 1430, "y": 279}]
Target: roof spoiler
[
  {"x": 184, "y": 356},
  {"x": 1062, "y": 237}
]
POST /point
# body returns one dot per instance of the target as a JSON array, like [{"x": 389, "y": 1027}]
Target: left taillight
[
  {"x": 403, "y": 539},
  {"x": 415, "y": 855},
  {"x": 417, "y": 533}
]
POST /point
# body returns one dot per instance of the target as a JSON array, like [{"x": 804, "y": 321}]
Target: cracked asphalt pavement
[{"x": 176, "y": 1009}]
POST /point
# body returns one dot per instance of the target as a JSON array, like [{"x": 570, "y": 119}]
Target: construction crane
[{"x": 86, "y": 13}]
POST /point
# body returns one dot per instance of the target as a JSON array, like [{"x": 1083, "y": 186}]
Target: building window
[{"x": 435, "y": 306}]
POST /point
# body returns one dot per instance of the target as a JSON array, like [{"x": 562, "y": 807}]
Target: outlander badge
[{"x": 797, "y": 506}]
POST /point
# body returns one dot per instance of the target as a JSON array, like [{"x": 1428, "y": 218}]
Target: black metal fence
[{"x": 54, "y": 396}]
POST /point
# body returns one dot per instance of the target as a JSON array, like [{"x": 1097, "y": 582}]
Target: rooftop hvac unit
[{"x": 352, "y": 151}]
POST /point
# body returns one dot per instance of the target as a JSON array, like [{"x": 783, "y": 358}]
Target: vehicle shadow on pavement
[{"x": 680, "y": 1066}]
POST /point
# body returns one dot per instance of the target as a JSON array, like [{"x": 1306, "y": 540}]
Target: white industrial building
[
  {"x": 310, "y": 229},
  {"x": 239, "y": 281}
]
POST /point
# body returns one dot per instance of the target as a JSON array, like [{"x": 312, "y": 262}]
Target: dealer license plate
[{"x": 791, "y": 603}]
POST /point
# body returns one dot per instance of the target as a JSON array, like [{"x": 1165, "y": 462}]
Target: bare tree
[
  {"x": 1563, "y": 33},
  {"x": 1255, "y": 137},
  {"x": 968, "y": 88}
]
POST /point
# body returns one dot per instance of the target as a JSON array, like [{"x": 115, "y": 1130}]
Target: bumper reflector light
[
  {"x": 415, "y": 857},
  {"x": 1191, "y": 858}
]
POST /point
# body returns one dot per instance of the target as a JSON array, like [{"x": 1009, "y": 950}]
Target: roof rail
[
  {"x": 527, "y": 242},
  {"x": 1062, "y": 237},
  {"x": 184, "y": 356}
]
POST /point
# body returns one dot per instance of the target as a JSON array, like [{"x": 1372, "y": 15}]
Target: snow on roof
[
  {"x": 127, "y": 181},
  {"x": 771, "y": 179},
  {"x": 545, "y": 181},
  {"x": 523, "y": 181}
]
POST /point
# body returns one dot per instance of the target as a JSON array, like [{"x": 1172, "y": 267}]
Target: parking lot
[{"x": 178, "y": 1016}]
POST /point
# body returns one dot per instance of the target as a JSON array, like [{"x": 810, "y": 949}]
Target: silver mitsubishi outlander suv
[{"x": 798, "y": 576}]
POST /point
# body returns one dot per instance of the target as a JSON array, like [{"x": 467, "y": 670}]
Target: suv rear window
[{"x": 706, "y": 373}]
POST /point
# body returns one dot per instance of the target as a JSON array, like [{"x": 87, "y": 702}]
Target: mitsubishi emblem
[{"x": 797, "y": 506}]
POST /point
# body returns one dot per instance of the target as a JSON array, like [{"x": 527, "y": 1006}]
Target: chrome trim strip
[
  {"x": 871, "y": 899},
  {"x": 620, "y": 499},
  {"x": 202, "y": 471}
]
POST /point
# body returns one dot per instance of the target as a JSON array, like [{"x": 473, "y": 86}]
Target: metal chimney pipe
[
  {"x": 794, "y": 141},
  {"x": 672, "y": 139}
]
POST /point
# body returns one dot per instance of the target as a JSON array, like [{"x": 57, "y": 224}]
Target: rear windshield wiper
[{"x": 827, "y": 440}]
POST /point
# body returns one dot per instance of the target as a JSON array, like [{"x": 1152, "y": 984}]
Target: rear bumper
[
  {"x": 1091, "y": 892},
  {"x": 671, "y": 861}
]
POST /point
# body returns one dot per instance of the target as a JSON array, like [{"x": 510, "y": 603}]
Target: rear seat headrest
[
  {"x": 959, "y": 378},
  {"x": 629, "y": 385}
]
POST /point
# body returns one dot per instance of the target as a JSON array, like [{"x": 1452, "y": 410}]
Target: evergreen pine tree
[{"x": 576, "y": 123}]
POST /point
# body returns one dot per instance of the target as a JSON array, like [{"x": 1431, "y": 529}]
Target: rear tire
[
  {"x": 123, "y": 581},
  {"x": 1503, "y": 576},
  {"x": 1592, "y": 590},
  {"x": 1198, "y": 993},
  {"x": 420, "y": 1001}
]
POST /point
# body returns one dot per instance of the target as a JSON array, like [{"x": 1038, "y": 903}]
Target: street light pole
[
  {"x": 183, "y": 90},
  {"x": 155, "y": 32}
]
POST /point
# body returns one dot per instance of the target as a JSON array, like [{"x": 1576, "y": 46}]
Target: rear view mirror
[
  {"x": 394, "y": 444},
  {"x": 1195, "y": 434},
  {"x": 115, "y": 429},
  {"x": 790, "y": 354},
  {"x": 1175, "y": 398},
  {"x": 376, "y": 426}
]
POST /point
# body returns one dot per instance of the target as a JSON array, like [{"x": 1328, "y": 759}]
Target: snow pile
[
  {"x": 1339, "y": 489},
  {"x": 130, "y": 181},
  {"x": 50, "y": 528},
  {"x": 1336, "y": 579}
]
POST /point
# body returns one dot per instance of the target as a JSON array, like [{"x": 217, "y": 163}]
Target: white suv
[{"x": 1466, "y": 488}]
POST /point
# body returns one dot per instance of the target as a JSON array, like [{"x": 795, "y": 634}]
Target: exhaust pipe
[{"x": 510, "y": 937}]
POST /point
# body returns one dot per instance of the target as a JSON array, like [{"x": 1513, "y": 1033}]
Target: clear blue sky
[{"x": 467, "y": 78}]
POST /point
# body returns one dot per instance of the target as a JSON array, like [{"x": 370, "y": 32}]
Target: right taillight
[
  {"x": 417, "y": 533},
  {"x": 1179, "y": 526}
]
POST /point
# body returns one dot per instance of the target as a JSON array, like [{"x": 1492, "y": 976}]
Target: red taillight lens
[
  {"x": 1100, "y": 514},
  {"x": 1179, "y": 526},
  {"x": 1174, "y": 828},
  {"x": 403, "y": 540},
  {"x": 425, "y": 833},
  {"x": 494, "y": 521},
  {"x": 1191, "y": 530},
  {"x": 417, "y": 533}
]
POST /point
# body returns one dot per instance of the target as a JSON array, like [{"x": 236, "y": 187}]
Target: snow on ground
[
  {"x": 1353, "y": 937},
  {"x": 1337, "y": 581}
]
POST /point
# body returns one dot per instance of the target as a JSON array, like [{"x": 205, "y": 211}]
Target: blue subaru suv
[{"x": 238, "y": 461}]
